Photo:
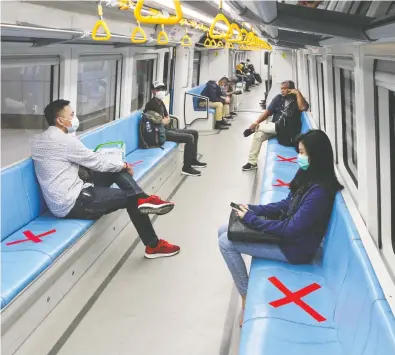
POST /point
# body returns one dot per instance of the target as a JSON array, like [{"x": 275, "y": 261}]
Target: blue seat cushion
[
  {"x": 275, "y": 176},
  {"x": 68, "y": 231},
  {"x": 150, "y": 158},
  {"x": 19, "y": 269},
  {"x": 21, "y": 197},
  {"x": 261, "y": 292},
  {"x": 265, "y": 336}
]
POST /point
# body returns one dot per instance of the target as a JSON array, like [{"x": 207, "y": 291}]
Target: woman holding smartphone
[{"x": 300, "y": 220}]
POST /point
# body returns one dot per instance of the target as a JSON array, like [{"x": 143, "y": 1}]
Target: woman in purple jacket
[{"x": 300, "y": 220}]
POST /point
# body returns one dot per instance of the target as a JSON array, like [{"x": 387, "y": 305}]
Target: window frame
[
  {"x": 198, "y": 69},
  {"x": 354, "y": 176},
  {"x": 319, "y": 68},
  {"x": 342, "y": 62},
  {"x": 384, "y": 84}
]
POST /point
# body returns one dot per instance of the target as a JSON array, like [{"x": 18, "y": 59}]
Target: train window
[
  {"x": 196, "y": 68},
  {"x": 98, "y": 90},
  {"x": 320, "y": 90},
  {"x": 349, "y": 127},
  {"x": 145, "y": 73},
  {"x": 385, "y": 146},
  {"x": 27, "y": 86}
]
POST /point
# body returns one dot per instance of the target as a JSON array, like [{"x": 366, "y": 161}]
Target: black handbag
[{"x": 238, "y": 231}]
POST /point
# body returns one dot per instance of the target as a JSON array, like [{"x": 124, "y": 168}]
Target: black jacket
[
  {"x": 156, "y": 105},
  {"x": 213, "y": 92}
]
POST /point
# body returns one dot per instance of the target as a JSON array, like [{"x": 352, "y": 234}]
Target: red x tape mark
[
  {"x": 30, "y": 237},
  {"x": 288, "y": 160},
  {"x": 282, "y": 183},
  {"x": 295, "y": 297},
  {"x": 137, "y": 162}
]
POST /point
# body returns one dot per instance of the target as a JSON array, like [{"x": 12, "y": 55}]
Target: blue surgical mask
[
  {"x": 303, "y": 161},
  {"x": 75, "y": 123}
]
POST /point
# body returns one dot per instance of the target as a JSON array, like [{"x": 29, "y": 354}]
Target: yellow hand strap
[
  {"x": 138, "y": 30},
  {"x": 162, "y": 37}
]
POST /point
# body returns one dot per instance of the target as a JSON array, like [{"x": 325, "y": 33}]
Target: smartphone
[{"x": 236, "y": 206}]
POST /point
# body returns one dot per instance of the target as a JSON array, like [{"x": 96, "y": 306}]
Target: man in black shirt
[
  {"x": 265, "y": 128},
  {"x": 188, "y": 136}
]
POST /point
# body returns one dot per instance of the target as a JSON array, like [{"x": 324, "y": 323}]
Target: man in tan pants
[
  {"x": 265, "y": 128},
  {"x": 220, "y": 103}
]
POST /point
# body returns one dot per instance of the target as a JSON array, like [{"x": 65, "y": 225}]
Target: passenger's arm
[
  {"x": 212, "y": 95},
  {"x": 77, "y": 153},
  {"x": 316, "y": 204},
  {"x": 302, "y": 103},
  {"x": 265, "y": 115},
  {"x": 272, "y": 210}
]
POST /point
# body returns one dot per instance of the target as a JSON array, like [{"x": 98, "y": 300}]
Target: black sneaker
[
  {"x": 198, "y": 164},
  {"x": 249, "y": 167},
  {"x": 224, "y": 123},
  {"x": 233, "y": 113},
  {"x": 190, "y": 172},
  {"x": 219, "y": 125},
  {"x": 229, "y": 118}
]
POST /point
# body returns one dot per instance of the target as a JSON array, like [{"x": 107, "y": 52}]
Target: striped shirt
[{"x": 57, "y": 157}]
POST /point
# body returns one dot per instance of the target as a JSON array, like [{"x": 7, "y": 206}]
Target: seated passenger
[
  {"x": 300, "y": 220},
  {"x": 240, "y": 74},
  {"x": 59, "y": 159},
  {"x": 228, "y": 91},
  {"x": 188, "y": 136},
  {"x": 247, "y": 73},
  {"x": 292, "y": 103},
  {"x": 216, "y": 100},
  {"x": 251, "y": 68}
]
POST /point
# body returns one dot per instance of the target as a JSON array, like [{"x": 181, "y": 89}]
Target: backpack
[
  {"x": 288, "y": 126},
  {"x": 152, "y": 131}
]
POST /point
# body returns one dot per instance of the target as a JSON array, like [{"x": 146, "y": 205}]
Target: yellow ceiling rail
[
  {"x": 162, "y": 36},
  {"x": 172, "y": 20},
  {"x": 125, "y": 5},
  {"x": 138, "y": 30},
  {"x": 100, "y": 23}
]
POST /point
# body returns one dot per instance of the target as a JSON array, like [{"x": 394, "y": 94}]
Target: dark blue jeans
[{"x": 100, "y": 199}]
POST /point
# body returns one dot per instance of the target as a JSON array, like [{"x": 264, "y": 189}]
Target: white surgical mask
[
  {"x": 75, "y": 123},
  {"x": 160, "y": 95}
]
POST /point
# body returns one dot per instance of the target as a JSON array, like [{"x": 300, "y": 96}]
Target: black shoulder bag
[
  {"x": 288, "y": 126},
  {"x": 238, "y": 231}
]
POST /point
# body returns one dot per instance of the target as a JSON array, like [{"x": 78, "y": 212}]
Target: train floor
[{"x": 181, "y": 305}]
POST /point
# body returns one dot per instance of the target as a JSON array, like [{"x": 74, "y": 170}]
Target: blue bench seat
[
  {"x": 197, "y": 90},
  {"x": 24, "y": 209},
  {"x": 358, "y": 318}
]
